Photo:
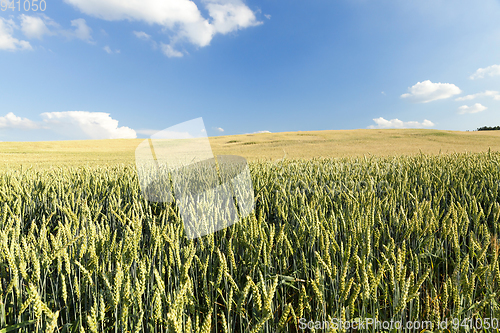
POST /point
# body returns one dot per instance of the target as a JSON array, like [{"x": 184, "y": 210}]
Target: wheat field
[
  {"x": 401, "y": 238},
  {"x": 259, "y": 147}
]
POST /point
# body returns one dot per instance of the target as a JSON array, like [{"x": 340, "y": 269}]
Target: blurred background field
[{"x": 262, "y": 146}]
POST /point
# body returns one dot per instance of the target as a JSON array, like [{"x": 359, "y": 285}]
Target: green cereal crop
[{"x": 400, "y": 238}]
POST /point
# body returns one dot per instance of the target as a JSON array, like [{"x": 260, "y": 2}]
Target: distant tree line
[{"x": 486, "y": 128}]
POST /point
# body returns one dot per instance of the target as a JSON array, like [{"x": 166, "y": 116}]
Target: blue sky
[{"x": 90, "y": 69}]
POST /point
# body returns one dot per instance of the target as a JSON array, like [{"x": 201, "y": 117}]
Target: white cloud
[
  {"x": 86, "y": 125},
  {"x": 72, "y": 125},
  {"x": 427, "y": 91},
  {"x": 35, "y": 26},
  {"x": 82, "y": 30},
  {"x": 170, "y": 52},
  {"x": 13, "y": 121},
  {"x": 488, "y": 93},
  {"x": 396, "y": 123},
  {"x": 180, "y": 18},
  {"x": 230, "y": 16},
  {"x": 7, "y": 41},
  {"x": 259, "y": 132},
  {"x": 219, "y": 129},
  {"x": 268, "y": 16},
  {"x": 471, "y": 109},
  {"x": 109, "y": 50},
  {"x": 39, "y": 26},
  {"x": 492, "y": 70},
  {"x": 142, "y": 35},
  {"x": 145, "y": 37}
]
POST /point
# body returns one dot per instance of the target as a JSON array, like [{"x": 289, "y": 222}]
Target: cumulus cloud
[
  {"x": 471, "y": 109},
  {"x": 145, "y": 37},
  {"x": 36, "y": 26},
  {"x": 72, "y": 125},
  {"x": 15, "y": 122},
  {"x": 169, "y": 51},
  {"x": 488, "y": 93},
  {"x": 41, "y": 25},
  {"x": 82, "y": 30},
  {"x": 86, "y": 125},
  {"x": 230, "y": 15},
  {"x": 7, "y": 40},
  {"x": 492, "y": 70},
  {"x": 427, "y": 91},
  {"x": 108, "y": 50},
  {"x": 180, "y": 18},
  {"x": 259, "y": 132},
  {"x": 396, "y": 123},
  {"x": 142, "y": 35},
  {"x": 219, "y": 129}
]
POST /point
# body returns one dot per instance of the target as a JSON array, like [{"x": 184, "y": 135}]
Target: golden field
[{"x": 265, "y": 146}]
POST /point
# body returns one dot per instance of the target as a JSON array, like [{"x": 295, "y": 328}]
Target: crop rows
[{"x": 406, "y": 238}]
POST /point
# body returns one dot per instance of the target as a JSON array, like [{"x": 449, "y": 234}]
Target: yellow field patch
[{"x": 262, "y": 146}]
